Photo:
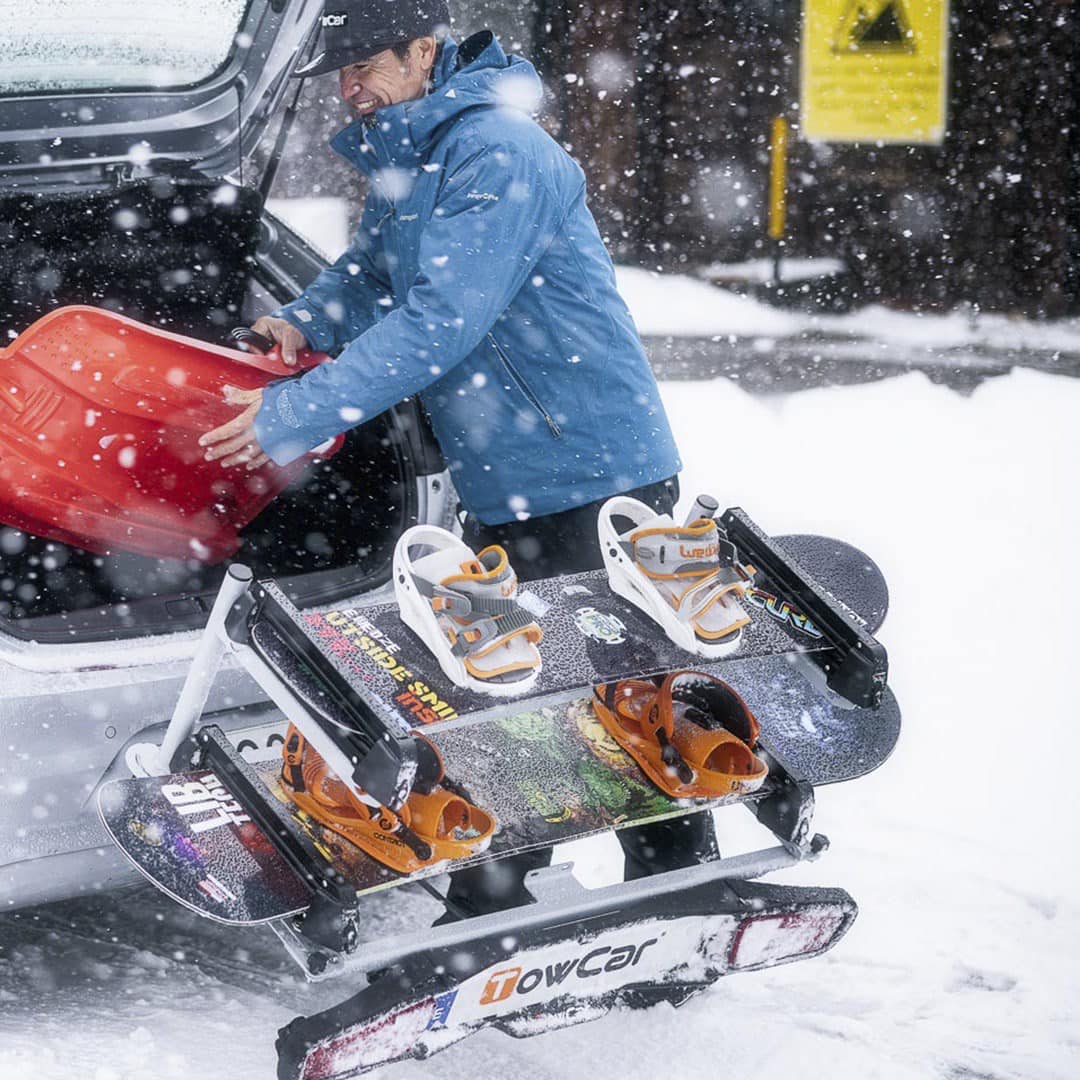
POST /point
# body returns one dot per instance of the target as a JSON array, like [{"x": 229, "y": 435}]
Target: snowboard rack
[
  {"x": 382, "y": 756},
  {"x": 571, "y": 954},
  {"x": 257, "y": 624},
  {"x": 854, "y": 662}
]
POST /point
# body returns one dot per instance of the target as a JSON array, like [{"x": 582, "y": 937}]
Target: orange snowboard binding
[
  {"x": 433, "y": 826},
  {"x": 692, "y": 734}
]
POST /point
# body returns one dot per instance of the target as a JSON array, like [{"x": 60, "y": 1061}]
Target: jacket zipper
[{"x": 527, "y": 390}]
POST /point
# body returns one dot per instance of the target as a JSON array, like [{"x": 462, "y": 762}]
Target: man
[{"x": 478, "y": 281}]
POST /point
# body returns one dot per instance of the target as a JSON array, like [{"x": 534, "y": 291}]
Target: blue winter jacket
[{"x": 478, "y": 280}]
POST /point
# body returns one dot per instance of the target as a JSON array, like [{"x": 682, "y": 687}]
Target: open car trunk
[{"x": 182, "y": 253}]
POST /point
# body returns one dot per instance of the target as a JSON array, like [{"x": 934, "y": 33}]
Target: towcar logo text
[{"x": 512, "y": 980}]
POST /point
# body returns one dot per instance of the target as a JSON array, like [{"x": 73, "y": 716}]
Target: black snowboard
[{"x": 590, "y": 636}]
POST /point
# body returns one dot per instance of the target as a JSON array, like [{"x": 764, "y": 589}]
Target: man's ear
[{"x": 426, "y": 53}]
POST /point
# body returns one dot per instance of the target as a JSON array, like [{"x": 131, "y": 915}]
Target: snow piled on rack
[{"x": 961, "y": 851}]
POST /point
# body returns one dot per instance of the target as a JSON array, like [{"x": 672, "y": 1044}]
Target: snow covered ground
[
  {"x": 961, "y": 851},
  {"x": 685, "y": 306}
]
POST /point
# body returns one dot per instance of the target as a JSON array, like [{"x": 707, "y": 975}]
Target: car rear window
[{"x": 60, "y": 45}]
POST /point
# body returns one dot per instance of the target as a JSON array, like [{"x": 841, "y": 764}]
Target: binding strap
[
  {"x": 293, "y": 759},
  {"x": 659, "y": 721},
  {"x": 662, "y": 720},
  {"x": 485, "y": 618},
  {"x": 697, "y": 550}
]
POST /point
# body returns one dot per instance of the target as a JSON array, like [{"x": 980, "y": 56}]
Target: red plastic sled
[{"x": 100, "y": 418}]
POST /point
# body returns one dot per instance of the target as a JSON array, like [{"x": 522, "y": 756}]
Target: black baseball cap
[{"x": 355, "y": 30}]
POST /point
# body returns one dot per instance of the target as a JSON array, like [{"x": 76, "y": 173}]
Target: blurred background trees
[{"x": 667, "y": 104}]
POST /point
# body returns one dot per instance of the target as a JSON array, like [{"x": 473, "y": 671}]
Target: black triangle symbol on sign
[
  {"x": 874, "y": 26},
  {"x": 884, "y": 30}
]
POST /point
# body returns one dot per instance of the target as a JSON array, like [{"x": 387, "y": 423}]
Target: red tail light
[
  {"x": 773, "y": 938},
  {"x": 386, "y": 1038}
]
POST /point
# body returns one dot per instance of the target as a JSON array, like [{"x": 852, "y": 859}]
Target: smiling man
[{"x": 478, "y": 281}]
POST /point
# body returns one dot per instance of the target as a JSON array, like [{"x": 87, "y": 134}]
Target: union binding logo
[
  {"x": 600, "y": 625},
  {"x": 708, "y": 551}
]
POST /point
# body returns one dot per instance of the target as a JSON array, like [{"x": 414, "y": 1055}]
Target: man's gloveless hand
[
  {"x": 235, "y": 443},
  {"x": 284, "y": 334}
]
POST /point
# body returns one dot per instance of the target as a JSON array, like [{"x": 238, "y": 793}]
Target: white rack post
[{"x": 148, "y": 759}]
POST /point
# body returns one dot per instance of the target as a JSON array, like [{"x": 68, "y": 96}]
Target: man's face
[{"x": 385, "y": 79}]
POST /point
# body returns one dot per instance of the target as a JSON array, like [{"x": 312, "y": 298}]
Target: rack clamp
[
  {"x": 855, "y": 663},
  {"x": 365, "y": 745}
]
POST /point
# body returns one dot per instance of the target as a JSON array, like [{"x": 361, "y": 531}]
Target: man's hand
[
  {"x": 235, "y": 442},
  {"x": 285, "y": 334}
]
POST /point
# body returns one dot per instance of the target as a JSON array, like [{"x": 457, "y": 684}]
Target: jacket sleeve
[
  {"x": 340, "y": 304},
  {"x": 494, "y": 218}
]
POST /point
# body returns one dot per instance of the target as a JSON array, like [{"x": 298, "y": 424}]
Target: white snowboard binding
[
  {"x": 463, "y": 607},
  {"x": 675, "y": 573}
]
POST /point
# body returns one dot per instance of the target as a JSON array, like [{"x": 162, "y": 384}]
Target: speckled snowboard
[
  {"x": 191, "y": 838},
  {"x": 549, "y": 776},
  {"x": 590, "y": 636}
]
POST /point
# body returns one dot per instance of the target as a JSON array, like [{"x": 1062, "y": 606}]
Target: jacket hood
[{"x": 475, "y": 74}]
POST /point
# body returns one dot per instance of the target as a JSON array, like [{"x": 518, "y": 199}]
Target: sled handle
[{"x": 248, "y": 339}]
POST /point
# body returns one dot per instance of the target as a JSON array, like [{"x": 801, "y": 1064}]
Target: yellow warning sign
[{"x": 874, "y": 70}]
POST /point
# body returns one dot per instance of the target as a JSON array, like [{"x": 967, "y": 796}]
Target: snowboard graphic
[
  {"x": 191, "y": 838},
  {"x": 590, "y": 636}
]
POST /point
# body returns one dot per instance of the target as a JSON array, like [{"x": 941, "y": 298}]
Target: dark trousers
[{"x": 542, "y": 547}]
